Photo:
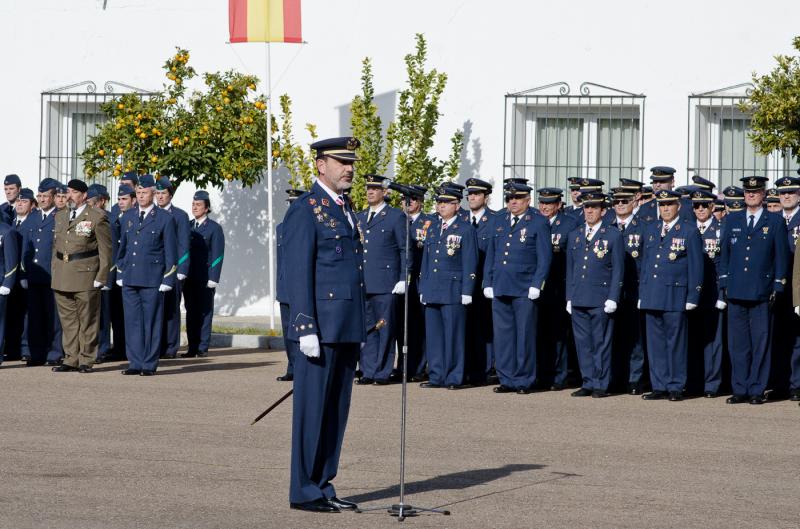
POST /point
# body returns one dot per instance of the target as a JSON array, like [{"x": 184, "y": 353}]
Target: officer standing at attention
[
  {"x": 9, "y": 265},
  {"x": 146, "y": 267},
  {"x": 663, "y": 178},
  {"x": 705, "y": 323},
  {"x": 326, "y": 299},
  {"x": 752, "y": 271},
  {"x": 62, "y": 197},
  {"x": 773, "y": 201},
  {"x": 446, "y": 286},
  {"x": 671, "y": 282},
  {"x": 595, "y": 268},
  {"x": 11, "y": 186},
  {"x": 130, "y": 179},
  {"x": 16, "y": 345},
  {"x": 282, "y": 295},
  {"x": 97, "y": 197},
  {"x": 171, "y": 334},
  {"x": 480, "y": 354},
  {"x": 555, "y": 328},
  {"x": 126, "y": 199},
  {"x": 44, "y": 327},
  {"x": 517, "y": 264},
  {"x": 80, "y": 264},
  {"x": 719, "y": 209},
  {"x": 574, "y": 194},
  {"x": 206, "y": 252},
  {"x": 384, "y": 276},
  {"x": 734, "y": 199}
]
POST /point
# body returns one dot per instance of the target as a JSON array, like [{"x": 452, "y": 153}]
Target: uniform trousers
[
  {"x": 554, "y": 335},
  {"x": 117, "y": 322},
  {"x": 104, "y": 339},
  {"x": 705, "y": 349},
  {"x": 416, "y": 332},
  {"x": 785, "y": 362},
  {"x": 667, "y": 342},
  {"x": 292, "y": 346},
  {"x": 144, "y": 316},
  {"x": 44, "y": 328},
  {"x": 480, "y": 350},
  {"x": 377, "y": 356},
  {"x": 514, "y": 320},
  {"x": 628, "y": 356},
  {"x": 594, "y": 332},
  {"x": 199, "y": 302},
  {"x": 321, "y": 401},
  {"x": 16, "y": 323},
  {"x": 749, "y": 330},
  {"x": 3, "y": 306},
  {"x": 171, "y": 333},
  {"x": 445, "y": 330},
  {"x": 79, "y": 313}
]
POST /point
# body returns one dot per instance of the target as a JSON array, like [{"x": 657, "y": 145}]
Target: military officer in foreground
[
  {"x": 126, "y": 199},
  {"x": 9, "y": 265},
  {"x": 206, "y": 253},
  {"x": 282, "y": 296},
  {"x": 753, "y": 272},
  {"x": 16, "y": 345},
  {"x": 671, "y": 282},
  {"x": 80, "y": 264},
  {"x": 326, "y": 301},
  {"x": 446, "y": 286},
  {"x": 595, "y": 268},
  {"x": 146, "y": 265},
  {"x": 516, "y": 268}
]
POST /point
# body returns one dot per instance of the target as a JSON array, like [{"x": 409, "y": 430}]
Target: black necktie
[
  {"x": 371, "y": 216},
  {"x": 622, "y": 227},
  {"x": 19, "y": 222},
  {"x": 73, "y": 215},
  {"x": 141, "y": 217},
  {"x": 196, "y": 224},
  {"x": 514, "y": 222},
  {"x": 750, "y": 224},
  {"x": 475, "y": 221}
]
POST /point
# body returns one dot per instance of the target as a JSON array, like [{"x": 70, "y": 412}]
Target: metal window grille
[
  {"x": 70, "y": 116},
  {"x": 551, "y": 135}
]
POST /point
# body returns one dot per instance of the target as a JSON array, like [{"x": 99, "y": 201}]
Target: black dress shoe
[
  {"x": 63, "y": 368},
  {"x": 202, "y": 354},
  {"x": 655, "y": 395},
  {"x": 430, "y": 385},
  {"x": 582, "y": 392},
  {"x": 459, "y": 386},
  {"x": 320, "y": 505},
  {"x": 130, "y": 371},
  {"x": 382, "y": 382},
  {"x": 492, "y": 379},
  {"x": 556, "y": 387},
  {"x": 167, "y": 356},
  {"x": 364, "y": 381},
  {"x": 85, "y": 369},
  {"x": 634, "y": 389},
  {"x": 795, "y": 396},
  {"x": 736, "y": 399},
  {"x": 757, "y": 399},
  {"x": 285, "y": 378},
  {"x": 503, "y": 389},
  {"x": 597, "y": 394},
  {"x": 188, "y": 355},
  {"x": 53, "y": 362},
  {"x": 343, "y": 505},
  {"x": 418, "y": 378},
  {"x": 146, "y": 373},
  {"x": 32, "y": 363},
  {"x": 711, "y": 394},
  {"x": 675, "y": 396}
]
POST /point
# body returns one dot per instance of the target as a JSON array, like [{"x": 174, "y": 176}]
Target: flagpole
[{"x": 270, "y": 218}]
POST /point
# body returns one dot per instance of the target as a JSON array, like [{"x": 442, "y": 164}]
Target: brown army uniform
[{"x": 78, "y": 261}]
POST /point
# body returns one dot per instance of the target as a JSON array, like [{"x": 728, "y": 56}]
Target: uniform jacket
[
  {"x": 281, "y": 293},
  {"x": 449, "y": 263},
  {"x": 518, "y": 258},
  {"x": 148, "y": 249},
  {"x": 18, "y": 233},
  {"x": 9, "y": 264},
  {"x": 672, "y": 267},
  {"x": 648, "y": 212},
  {"x": 323, "y": 270},
  {"x": 89, "y": 232},
  {"x": 710, "y": 239},
  {"x": 419, "y": 232},
  {"x": 384, "y": 249},
  {"x": 753, "y": 264},
  {"x": 484, "y": 237},
  {"x": 37, "y": 246},
  {"x": 183, "y": 232},
  {"x": 114, "y": 219},
  {"x": 595, "y": 267},
  {"x": 206, "y": 251},
  {"x": 7, "y": 213},
  {"x": 560, "y": 229},
  {"x": 633, "y": 240}
]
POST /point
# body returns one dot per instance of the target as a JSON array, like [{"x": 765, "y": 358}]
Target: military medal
[
  {"x": 600, "y": 248},
  {"x": 523, "y": 234},
  {"x": 766, "y": 229},
  {"x": 555, "y": 239},
  {"x": 635, "y": 254},
  {"x": 672, "y": 256},
  {"x": 326, "y": 202},
  {"x": 453, "y": 242}
]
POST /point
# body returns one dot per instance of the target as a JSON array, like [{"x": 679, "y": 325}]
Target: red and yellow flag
[{"x": 264, "y": 20}]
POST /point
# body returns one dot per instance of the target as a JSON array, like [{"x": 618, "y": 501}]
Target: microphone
[{"x": 400, "y": 188}]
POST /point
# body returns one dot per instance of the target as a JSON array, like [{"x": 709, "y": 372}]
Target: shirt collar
[
  {"x": 415, "y": 216},
  {"x": 671, "y": 224},
  {"x": 201, "y": 220},
  {"x": 378, "y": 208},
  {"x": 328, "y": 190},
  {"x": 756, "y": 215},
  {"x": 79, "y": 210},
  {"x": 553, "y": 219},
  {"x": 478, "y": 215},
  {"x": 624, "y": 221},
  {"x": 789, "y": 215},
  {"x": 146, "y": 210},
  {"x": 706, "y": 224},
  {"x": 46, "y": 212},
  {"x": 595, "y": 227},
  {"x": 448, "y": 223},
  {"x": 168, "y": 207}
]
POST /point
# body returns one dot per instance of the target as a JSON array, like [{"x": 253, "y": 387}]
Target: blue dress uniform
[
  {"x": 325, "y": 282},
  {"x": 8, "y": 214},
  {"x": 649, "y": 211},
  {"x": 282, "y": 295},
  {"x": 705, "y": 323},
  {"x": 595, "y": 269},
  {"x": 146, "y": 264},
  {"x": 117, "y": 312},
  {"x": 16, "y": 344},
  {"x": 517, "y": 260},
  {"x": 44, "y": 326},
  {"x": 480, "y": 350},
  {"x": 449, "y": 267},
  {"x": 171, "y": 333},
  {"x": 554, "y": 326},
  {"x": 206, "y": 253},
  {"x": 9, "y": 264},
  {"x": 753, "y": 271},
  {"x": 104, "y": 338},
  {"x": 671, "y": 281},
  {"x": 384, "y": 266}
]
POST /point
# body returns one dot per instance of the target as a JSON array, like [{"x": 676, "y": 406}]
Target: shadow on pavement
[{"x": 195, "y": 368}]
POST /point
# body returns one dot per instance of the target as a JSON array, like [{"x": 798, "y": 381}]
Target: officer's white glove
[
  {"x": 639, "y": 304},
  {"x": 212, "y": 284},
  {"x": 23, "y": 283},
  {"x": 181, "y": 277},
  {"x": 399, "y": 288},
  {"x": 466, "y": 300},
  {"x": 97, "y": 284},
  {"x": 420, "y": 299},
  {"x": 119, "y": 282},
  {"x": 691, "y": 306},
  {"x": 4, "y": 291},
  {"x": 797, "y": 310},
  {"x": 533, "y": 293},
  {"x": 609, "y": 306},
  {"x": 164, "y": 288},
  {"x": 361, "y": 346},
  {"x": 309, "y": 345},
  {"x": 488, "y": 293},
  {"x": 721, "y": 305},
  {"x": 106, "y": 288},
  {"x": 569, "y": 308}
]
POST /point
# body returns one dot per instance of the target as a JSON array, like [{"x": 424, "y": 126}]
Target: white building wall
[{"x": 665, "y": 50}]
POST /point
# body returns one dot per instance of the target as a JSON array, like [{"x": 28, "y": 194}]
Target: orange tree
[{"x": 207, "y": 137}]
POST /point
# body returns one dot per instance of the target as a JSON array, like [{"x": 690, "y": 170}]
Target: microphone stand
[{"x": 401, "y": 509}]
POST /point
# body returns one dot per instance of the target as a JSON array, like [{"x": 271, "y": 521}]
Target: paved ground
[{"x": 176, "y": 450}]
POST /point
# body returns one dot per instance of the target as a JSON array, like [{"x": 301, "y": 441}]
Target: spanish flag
[{"x": 264, "y": 20}]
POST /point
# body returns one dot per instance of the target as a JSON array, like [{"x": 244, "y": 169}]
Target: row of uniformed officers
[
  {"x": 75, "y": 273},
  {"x": 642, "y": 292}
]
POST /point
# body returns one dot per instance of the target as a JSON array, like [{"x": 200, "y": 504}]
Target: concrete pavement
[{"x": 176, "y": 450}]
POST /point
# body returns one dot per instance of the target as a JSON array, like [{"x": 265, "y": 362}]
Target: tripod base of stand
[{"x": 403, "y": 511}]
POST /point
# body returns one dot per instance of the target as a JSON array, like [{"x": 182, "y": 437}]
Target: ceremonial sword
[{"x": 378, "y": 326}]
